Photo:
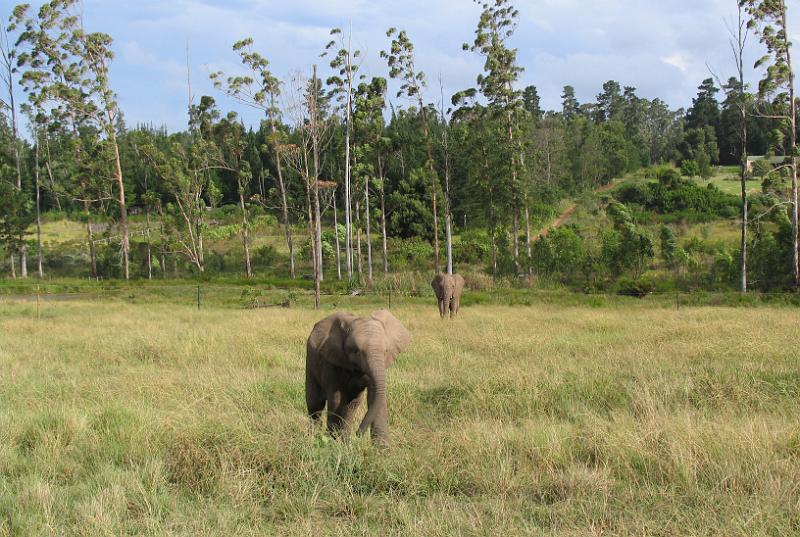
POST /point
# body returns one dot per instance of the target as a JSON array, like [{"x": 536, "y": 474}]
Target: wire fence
[{"x": 208, "y": 295}]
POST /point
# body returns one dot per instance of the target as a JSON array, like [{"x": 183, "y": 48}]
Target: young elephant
[
  {"x": 448, "y": 290},
  {"x": 345, "y": 355}
]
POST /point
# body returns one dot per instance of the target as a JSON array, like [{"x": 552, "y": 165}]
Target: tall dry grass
[{"x": 162, "y": 420}]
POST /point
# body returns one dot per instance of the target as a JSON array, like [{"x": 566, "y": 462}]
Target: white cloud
[{"x": 678, "y": 61}]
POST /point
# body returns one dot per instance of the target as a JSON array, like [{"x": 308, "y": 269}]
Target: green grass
[
  {"x": 727, "y": 179},
  {"x": 157, "y": 419}
]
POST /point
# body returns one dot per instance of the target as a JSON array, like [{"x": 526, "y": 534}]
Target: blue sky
[{"x": 660, "y": 47}]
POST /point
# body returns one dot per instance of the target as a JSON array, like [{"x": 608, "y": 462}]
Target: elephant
[
  {"x": 448, "y": 289},
  {"x": 346, "y": 355}
]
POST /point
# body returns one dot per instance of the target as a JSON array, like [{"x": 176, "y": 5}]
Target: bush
[
  {"x": 638, "y": 288},
  {"x": 473, "y": 248},
  {"x": 559, "y": 255},
  {"x": 265, "y": 256},
  {"x": 670, "y": 196},
  {"x": 414, "y": 254},
  {"x": 690, "y": 168}
]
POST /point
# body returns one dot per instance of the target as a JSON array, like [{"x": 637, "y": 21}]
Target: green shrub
[
  {"x": 413, "y": 254},
  {"x": 473, "y": 247}
]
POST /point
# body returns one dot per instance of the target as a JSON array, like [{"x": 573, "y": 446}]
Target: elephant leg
[
  {"x": 315, "y": 397},
  {"x": 454, "y": 305},
  {"x": 335, "y": 408},
  {"x": 448, "y": 304},
  {"x": 441, "y": 307},
  {"x": 345, "y": 415}
]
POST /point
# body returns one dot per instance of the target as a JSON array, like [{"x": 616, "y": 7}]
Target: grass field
[{"x": 157, "y": 419}]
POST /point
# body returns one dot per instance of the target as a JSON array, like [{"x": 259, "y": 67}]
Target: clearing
[{"x": 158, "y": 419}]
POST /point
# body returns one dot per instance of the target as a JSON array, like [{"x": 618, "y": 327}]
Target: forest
[{"x": 346, "y": 180}]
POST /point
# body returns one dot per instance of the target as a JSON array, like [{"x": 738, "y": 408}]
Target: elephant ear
[{"x": 397, "y": 337}]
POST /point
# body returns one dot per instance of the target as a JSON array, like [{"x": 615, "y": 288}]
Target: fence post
[{"x": 198, "y": 298}]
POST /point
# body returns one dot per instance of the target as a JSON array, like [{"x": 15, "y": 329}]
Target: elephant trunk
[{"x": 377, "y": 416}]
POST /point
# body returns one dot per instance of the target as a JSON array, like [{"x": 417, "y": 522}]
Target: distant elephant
[
  {"x": 448, "y": 289},
  {"x": 346, "y": 355}
]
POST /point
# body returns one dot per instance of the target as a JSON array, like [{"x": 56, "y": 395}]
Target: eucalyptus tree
[
  {"x": 233, "y": 146},
  {"x": 474, "y": 133},
  {"x": 72, "y": 67},
  {"x": 8, "y": 56},
  {"x": 311, "y": 132},
  {"x": 446, "y": 157},
  {"x": 36, "y": 122},
  {"x": 769, "y": 19},
  {"x": 346, "y": 63},
  {"x": 401, "y": 61},
  {"x": 183, "y": 168},
  {"x": 738, "y": 94},
  {"x": 496, "y": 26},
  {"x": 315, "y": 129},
  {"x": 260, "y": 89},
  {"x": 369, "y": 126}
]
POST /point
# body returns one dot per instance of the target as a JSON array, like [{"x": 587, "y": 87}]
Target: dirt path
[{"x": 563, "y": 217}]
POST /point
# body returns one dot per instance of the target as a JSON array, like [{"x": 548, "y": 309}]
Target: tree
[
  {"x": 344, "y": 85},
  {"x": 496, "y": 26},
  {"x": 570, "y": 106},
  {"x": 184, "y": 168},
  {"x": 768, "y": 18},
  {"x": 610, "y": 102},
  {"x": 78, "y": 79},
  {"x": 401, "y": 61},
  {"x": 738, "y": 97},
  {"x": 368, "y": 125},
  {"x": 261, "y": 89},
  {"x": 705, "y": 107},
  {"x": 233, "y": 145},
  {"x": 8, "y": 55},
  {"x": 532, "y": 102}
]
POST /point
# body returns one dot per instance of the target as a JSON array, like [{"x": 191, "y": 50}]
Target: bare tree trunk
[
  {"x": 317, "y": 213},
  {"x": 793, "y": 145},
  {"x": 245, "y": 235},
  {"x": 383, "y": 218},
  {"x": 12, "y": 266},
  {"x": 515, "y": 197},
  {"x": 282, "y": 187},
  {"x": 348, "y": 225},
  {"x": 8, "y": 78},
  {"x": 336, "y": 234},
  {"x": 161, "y": 249},
  {"x": 432, "y": 173},
  {"x": 23, "y": 259},
  {"x": 200, "y": 254},
  {"x": 149, "y": 246},
  {"x": 448, "y": 216},
  {"x": 358, "y": 238},
  {"x": 528, "y": 239},
  {"x": 50, "y": 172},
  {"x": 367, "y": 230},
  {"x": 494, "y": 251},
  {"x": 515, "y": 232},
  {"x": 738, "y": 52},
  {"x": 40, "y": 270},
  {"x": 90, "y": 236},
  {"x": 123, "y": 209},
  {"x": 310, "y": 217}
]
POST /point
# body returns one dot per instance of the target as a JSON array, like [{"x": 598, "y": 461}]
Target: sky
[{"x": 664, "y": 48}]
